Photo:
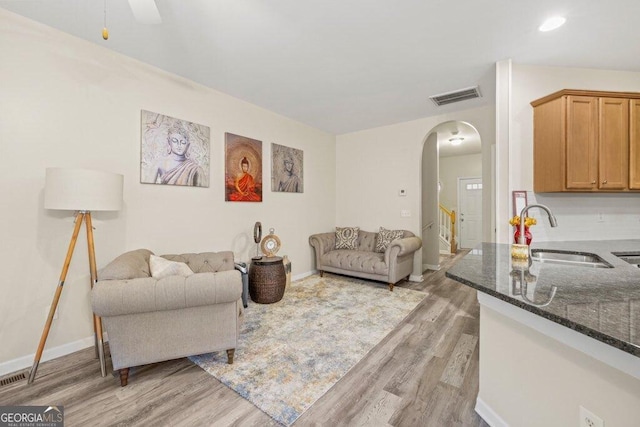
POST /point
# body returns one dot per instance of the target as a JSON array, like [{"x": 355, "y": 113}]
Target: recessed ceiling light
[
  {"x": 456, "y": 141},
  {"x": 552, "y": 23}
]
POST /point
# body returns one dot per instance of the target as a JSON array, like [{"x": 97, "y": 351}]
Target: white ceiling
[{"x": 347, "y": 65}]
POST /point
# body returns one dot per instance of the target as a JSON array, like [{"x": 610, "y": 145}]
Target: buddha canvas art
[
  {"x": 173, "y": 151},
  {"x": 243, "y": 169},
  {"x": 286, "y": 169}
]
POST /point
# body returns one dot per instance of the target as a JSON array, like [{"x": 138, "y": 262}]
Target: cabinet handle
[
  {"x": 604, "y": 182},
  {"x": 593, "y": 182}
]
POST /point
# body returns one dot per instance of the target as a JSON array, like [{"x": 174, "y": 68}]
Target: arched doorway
[{"x": 451, "y": 179}]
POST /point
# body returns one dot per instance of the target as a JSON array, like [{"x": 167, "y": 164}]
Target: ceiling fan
[{"x": 145, "y": 11}]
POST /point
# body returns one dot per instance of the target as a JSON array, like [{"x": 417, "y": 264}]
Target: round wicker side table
[{"x": 267, "y": 280}]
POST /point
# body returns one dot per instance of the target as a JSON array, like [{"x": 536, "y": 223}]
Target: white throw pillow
[{"x": 161, "y": 268}]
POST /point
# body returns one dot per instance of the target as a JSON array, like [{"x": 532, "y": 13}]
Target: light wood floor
[{"x": 424, "y": 373}]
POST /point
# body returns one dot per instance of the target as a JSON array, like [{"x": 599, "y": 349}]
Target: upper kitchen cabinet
[
  {"x": 613, "y": 143},
  {"x": 586, "y": 141},
  {"x": 634, "y": 145}
]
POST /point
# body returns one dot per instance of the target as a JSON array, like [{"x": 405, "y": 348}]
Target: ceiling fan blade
[{"x": 145, "y": 11}]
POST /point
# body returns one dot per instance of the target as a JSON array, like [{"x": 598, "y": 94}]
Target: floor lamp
[{"x": 82, "y": 191}]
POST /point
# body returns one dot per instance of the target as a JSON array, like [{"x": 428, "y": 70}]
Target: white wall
[
  {"x": 429, "y": 190},
  {"x": 372, "y": 165},
  {"x": 576, "y": 213},
  {"x": 69, "y": 103},
  {"x": 452, "y": 168}
]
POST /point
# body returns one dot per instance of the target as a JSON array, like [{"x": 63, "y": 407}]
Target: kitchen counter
[
  {"x": 602, "y": 303},
  {"x": 556, "y": 339}
]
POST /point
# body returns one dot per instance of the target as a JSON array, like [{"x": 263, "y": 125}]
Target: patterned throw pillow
[
  {"x": 347, "y": 237},
  {"x": 385, "y": 237}
]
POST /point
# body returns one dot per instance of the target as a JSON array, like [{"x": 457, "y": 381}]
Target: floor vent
[
  {"x": 12, "y": 379},
  {"x": 456, "y": 96}
]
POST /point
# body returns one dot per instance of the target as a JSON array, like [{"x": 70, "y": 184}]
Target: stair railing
[{"x": 447, "y": 227}]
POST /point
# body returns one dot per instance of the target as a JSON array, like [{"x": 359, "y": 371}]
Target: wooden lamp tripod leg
[
  {"x": 97, "y": 321},
  {"x": 56, "y": 297}
]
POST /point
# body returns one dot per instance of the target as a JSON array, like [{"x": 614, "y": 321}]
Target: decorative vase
[{"x": 527, "y": 235}]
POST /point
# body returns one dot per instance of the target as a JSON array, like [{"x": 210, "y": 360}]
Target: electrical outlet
[
  {"x": 600, "y": 217},
  {"x": 589, "y": 419},
  {"x": 405, "y": 213}
]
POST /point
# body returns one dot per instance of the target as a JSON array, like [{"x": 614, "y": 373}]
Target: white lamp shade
[{"x": 82, "y": 190}]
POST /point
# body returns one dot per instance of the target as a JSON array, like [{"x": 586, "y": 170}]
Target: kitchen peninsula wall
[{"x": 580, "y": 216}]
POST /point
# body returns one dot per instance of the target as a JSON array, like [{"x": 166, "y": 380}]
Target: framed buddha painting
[
  {"x": 286, "y": 169},
  {"x": 243, "y": 169},
  {"x": 173, "y": 151}
]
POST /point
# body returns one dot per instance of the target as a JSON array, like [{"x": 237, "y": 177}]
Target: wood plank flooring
[{"x": 424, "y": 373}]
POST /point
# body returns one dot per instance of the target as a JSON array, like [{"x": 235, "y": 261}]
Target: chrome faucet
[{"x": 552, "y": 221}]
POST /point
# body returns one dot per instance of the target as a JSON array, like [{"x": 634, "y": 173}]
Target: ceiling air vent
[{"x": 456, "y": 96}]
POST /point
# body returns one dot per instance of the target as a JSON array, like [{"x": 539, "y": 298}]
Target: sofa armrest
[
  {"x": 119, "y": 297},
  {"x": 322, "y": 243},
  {"x": 401, "y": 247}
]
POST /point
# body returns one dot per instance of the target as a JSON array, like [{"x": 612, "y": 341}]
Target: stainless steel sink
[
  {"x": 632, "y": 258},
  {"x": 578, "y": 259}
]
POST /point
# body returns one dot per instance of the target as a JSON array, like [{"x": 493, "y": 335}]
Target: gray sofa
[
  {"x": 150, "y": 320},
  {"x": 393, "y": 265}
]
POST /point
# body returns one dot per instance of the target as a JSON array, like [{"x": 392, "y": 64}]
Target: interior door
[{"x": 470, "y": 207}]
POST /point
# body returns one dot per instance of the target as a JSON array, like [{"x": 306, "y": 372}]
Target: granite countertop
[{"x": 603, "y": 303}]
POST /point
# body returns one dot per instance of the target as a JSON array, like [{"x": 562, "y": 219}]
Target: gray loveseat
[
  {"x": 393, "y": 265},
  {"x": 150, "y": 320}
]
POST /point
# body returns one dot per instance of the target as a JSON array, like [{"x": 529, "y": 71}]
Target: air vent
[
  {"x": 456, "y": 96},
  {"x": 12, "y": 379}
]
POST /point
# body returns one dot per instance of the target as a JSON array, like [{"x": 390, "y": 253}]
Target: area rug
[{"x": 292, "y": 352}]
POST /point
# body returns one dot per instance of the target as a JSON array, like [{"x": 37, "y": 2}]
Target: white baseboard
[
  {"x": 488, "y": 414},
  {"x": 303, "y": 275},
  {"x": 23, "y": 362},
  {"x": 416, "y": 278},
  {"x": 433, "y": 267}
]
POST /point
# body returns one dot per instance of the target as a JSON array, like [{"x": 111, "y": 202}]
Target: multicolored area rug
[{"x": 292, "y": 352}]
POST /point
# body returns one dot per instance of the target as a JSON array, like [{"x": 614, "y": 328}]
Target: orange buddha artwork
[{"x": 243, "y": 169}]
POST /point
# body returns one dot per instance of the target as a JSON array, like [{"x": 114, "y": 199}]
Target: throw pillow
[
  {"x": 385, "y": 237},
  {"x": 161, "y": 268},
  {"x": 347, "y": 237},
  {"x": 129, "y": 265}
]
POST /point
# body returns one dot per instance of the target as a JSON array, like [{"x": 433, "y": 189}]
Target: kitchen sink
[
  {"x": 632, "y": 258},
  {"x": 578, "y": 259}
]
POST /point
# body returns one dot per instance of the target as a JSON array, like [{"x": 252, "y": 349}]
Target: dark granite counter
[{"x": 603, "y": 303}]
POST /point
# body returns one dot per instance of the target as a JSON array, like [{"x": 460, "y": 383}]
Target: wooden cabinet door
[
  {"x": 613, "y": 143},
  {"x": 549, "y": 135},
  {"x": 582, "y": 143},
  {"x": 634, "y": 145}
]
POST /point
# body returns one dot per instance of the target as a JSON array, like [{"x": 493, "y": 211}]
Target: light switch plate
[{"x": 405, "y": 213}]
